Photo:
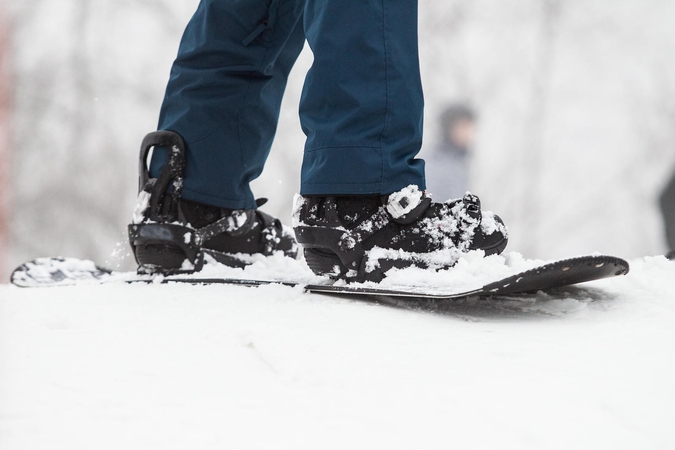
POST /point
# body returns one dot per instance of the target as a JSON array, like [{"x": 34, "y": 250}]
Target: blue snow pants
[{"x": 361, "y": 106}]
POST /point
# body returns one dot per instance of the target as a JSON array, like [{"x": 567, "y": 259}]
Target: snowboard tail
[{"x": 46, "y": 272}]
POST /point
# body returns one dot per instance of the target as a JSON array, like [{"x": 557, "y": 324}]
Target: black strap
[{"x": 227, "y": 225}]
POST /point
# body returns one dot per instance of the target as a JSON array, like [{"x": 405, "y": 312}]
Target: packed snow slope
[{"x": 225, "y": 367}]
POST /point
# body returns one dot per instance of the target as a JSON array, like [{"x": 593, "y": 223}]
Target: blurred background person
[
  {"x": 447, "y": 163},
  {"x": 667, "y": 201}
]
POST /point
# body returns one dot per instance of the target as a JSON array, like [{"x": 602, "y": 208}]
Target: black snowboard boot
[
  {"x": 359, "y": 238},
  {"x": 172, "y": 235}
]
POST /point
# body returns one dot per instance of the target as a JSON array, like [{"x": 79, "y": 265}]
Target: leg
[
  {"x": 362, "y": 112},
  {"x": 225, "y": 92},
  {"x": 223, "y": 99},
  {"x": 362, "y": 103}
]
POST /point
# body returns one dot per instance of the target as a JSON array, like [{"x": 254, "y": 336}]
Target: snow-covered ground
[{"x": 226, "y": 367}]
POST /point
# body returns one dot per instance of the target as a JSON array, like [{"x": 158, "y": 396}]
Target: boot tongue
[
  {"x": 352, "y": 210},
  {"x": 200, "y": 215},
  {"x": 407, "y": 205}
]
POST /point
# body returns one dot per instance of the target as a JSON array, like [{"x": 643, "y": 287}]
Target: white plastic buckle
[{"x": 404, "y": 201}]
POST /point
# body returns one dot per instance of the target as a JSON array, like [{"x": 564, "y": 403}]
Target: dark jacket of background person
[{"x": 667, "y": 201}]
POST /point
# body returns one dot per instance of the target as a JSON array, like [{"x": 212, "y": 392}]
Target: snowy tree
[
  {"x": 556, "y": 86},
  {"x": 91, "y": 78},
  {"x": 4, "y": 134}
]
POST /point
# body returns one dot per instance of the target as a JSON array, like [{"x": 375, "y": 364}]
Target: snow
[
  {"x": 472, "y": 271},
  {"x": 179, "y": 366},
  {"x": 142, "y": 204}
]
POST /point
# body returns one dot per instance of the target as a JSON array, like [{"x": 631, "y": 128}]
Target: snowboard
[{"x": 48, "y": 272}]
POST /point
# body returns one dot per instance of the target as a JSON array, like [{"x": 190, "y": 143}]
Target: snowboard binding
[
  {"x": 172, "y": 235},
  {"x": 158, "y": 242},
  {"x": 360, "y": 238}
]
